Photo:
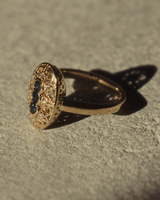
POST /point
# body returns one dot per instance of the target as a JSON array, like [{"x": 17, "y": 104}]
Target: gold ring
[{"x": 47, "y": 95}]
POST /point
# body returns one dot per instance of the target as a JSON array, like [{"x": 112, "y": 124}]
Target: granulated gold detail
[{"x": 48, "y": 106}]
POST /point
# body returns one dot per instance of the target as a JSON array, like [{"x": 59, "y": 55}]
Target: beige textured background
[{"x": 110, "y": 157}]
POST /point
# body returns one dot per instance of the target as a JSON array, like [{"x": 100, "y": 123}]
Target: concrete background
[{"x": 110, "y": 157}]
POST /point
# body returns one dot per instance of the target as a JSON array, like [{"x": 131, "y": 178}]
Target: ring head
[{"x": 46, "y": 93}]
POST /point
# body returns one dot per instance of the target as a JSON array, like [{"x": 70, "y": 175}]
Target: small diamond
[
  {"x": 53, "y": 85},
  {"x": 43, "y": 100},
  {"x": 46, "y": 86},
  {"x": 43, "y": 76},
  {"x": 52, "y": 96},
  {"x": 40, "y": 116}
]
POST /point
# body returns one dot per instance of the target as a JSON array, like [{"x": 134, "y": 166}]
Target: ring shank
[{"x": 86, "y": 108}]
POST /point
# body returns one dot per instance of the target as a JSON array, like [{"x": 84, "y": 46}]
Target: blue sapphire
[
  {"x": 35, "y": 97},
  {"x": 37, "y": 86},
  {"x": 33, "y": 107}
]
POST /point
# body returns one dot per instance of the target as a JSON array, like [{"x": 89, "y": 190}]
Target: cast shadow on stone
[
  {"x": 130, "y": 80},
  {"x": 155, "y": 196},
  {"x": 151, "y": 194}
]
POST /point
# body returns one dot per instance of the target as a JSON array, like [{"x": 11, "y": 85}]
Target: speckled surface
[{"x": 108, "y": 157}]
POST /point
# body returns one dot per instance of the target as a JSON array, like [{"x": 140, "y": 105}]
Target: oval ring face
[{"x": 45, "y": 95}]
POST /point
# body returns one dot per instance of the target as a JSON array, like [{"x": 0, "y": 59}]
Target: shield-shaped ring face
[{"x": 45, "y": 95}]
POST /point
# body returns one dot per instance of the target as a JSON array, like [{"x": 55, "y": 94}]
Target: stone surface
[
  {"x": 37, "y": 86},
  {"x": 33, "y": 107},
  {"x": 108, "y": 157},
  {"x": 35, "y": 96}
]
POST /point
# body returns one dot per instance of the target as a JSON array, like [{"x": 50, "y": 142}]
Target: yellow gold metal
[
  {"x": 52, "y": 100},
  {"x": 50, "y": 96}
]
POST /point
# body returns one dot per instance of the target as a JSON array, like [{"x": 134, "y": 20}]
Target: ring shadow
[{"x": 130, "y": 80}]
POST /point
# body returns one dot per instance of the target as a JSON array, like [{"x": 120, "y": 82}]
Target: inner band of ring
[{"x": 85, "y": 108}]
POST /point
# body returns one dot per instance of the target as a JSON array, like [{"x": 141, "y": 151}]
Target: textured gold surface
[{"x": 49, "y": 101}]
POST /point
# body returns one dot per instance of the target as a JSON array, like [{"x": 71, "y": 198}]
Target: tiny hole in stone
[
  {"x": 142, "y": 77},
  {"x": 132, "y": 72},
  {"x": 137, "y": 82},
  {"x": 95, "y": 87},
  {"x": 130, "y": 83},
  {"x": 107, "y": 96},
  {"x": 116, "y": 97}
]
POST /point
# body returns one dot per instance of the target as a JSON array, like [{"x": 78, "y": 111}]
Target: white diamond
[
  {"x": 46, "y": 86},
  {"x": 44, "y": 101},
  {"x": 52, "y": 96},
  {"x": 43, "y": 76}
]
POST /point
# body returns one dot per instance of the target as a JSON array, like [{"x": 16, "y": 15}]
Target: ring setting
[{"x": 47, "y": 95}]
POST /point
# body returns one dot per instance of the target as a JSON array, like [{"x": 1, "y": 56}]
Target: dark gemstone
[
  {"x": 33, "y": 107},
  {"x": 35, "y": 97},
  {"x": 37, "y": 86}
]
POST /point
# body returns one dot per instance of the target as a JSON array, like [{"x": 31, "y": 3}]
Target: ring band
[{"x": 47, "y": 90}]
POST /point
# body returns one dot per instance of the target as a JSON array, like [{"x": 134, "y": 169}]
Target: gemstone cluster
[
  {"x": 46, "y": 88},
  {"x": 35, "y": 97}
]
